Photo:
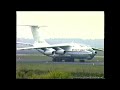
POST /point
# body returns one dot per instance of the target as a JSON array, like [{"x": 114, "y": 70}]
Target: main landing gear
[
  {"x": 60, "y": 60},
  {"x": 57, "y": 60},
  {"x": 82, "y": 60}
]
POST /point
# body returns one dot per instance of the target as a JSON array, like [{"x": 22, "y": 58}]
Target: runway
[{"x": 51, "y": 62}]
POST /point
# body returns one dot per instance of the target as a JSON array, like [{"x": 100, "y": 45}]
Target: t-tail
[{"x": 37, "y": 35}]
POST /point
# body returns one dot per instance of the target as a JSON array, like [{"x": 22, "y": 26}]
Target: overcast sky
[{"x": 62, "y": 24}]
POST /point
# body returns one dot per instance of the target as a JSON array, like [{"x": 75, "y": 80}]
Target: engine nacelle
[
  {"x": 49, "y": 52},
  {"x": 61, "y": 51}
]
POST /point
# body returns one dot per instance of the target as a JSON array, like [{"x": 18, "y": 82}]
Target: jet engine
[
  {"x": 60, "y": 51},
  {"x": 49, "y": 52}
]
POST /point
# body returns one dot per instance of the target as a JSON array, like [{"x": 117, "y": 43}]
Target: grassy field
[
  {"x": 75, "y": 71},
  {"x": 57, "y": 71}
]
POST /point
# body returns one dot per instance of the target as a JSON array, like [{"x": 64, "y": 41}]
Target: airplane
[{"x": 59, "y": 52}]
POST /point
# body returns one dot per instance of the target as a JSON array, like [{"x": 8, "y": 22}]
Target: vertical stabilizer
[{"x": 37, "y": 35}]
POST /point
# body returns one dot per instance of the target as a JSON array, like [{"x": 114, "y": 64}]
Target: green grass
[
  {"x": 51, "y": 71},
  {"x": 57, "y": 71}
]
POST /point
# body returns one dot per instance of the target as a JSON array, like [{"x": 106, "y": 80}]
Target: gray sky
[{"x": 62, "y": 24}]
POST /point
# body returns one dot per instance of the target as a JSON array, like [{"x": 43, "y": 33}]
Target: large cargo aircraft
[{"x": 59, "y": 52}]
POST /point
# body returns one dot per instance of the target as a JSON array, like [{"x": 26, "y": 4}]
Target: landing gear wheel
[
  {"x": 57, "y": 60},
  {"x": 82, "y": 60},
  {"x": 54, "y": 60},
  {"x": 69, "y": 60},
  {"x": 72, "y": 60}
]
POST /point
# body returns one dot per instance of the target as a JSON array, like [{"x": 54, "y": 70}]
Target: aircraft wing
[
  {"x": 43, "y": 47},
  {"x": 25, "y": 43},
  {"x": 97, "y": 49},
  {"x": 26, "y": 48}
]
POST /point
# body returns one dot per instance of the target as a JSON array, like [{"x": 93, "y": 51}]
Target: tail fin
[{"x": 37, "y": 35}]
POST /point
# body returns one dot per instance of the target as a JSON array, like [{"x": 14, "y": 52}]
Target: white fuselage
[{"x": 74, "y": 50}]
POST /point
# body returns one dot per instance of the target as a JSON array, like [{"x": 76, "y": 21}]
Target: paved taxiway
[{"x": 50, "y": 62}]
